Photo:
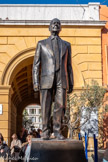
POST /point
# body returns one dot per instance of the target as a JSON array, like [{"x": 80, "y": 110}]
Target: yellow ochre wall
[{"x": 86, "y": 60}]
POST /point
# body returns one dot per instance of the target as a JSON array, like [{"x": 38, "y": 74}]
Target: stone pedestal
[{"x": 57, "y": 151}]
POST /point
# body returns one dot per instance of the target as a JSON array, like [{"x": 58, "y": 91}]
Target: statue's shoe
[
  {"x": 45, "y": 137},
  {"x": 59, "y": 136}
]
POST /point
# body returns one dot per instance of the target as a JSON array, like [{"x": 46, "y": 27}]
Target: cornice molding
[{"x": 46, "y": 22}]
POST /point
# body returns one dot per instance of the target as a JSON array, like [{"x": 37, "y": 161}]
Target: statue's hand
[
  {"x": 36, "y": 88},
  {"x": 70, "y": 89}
]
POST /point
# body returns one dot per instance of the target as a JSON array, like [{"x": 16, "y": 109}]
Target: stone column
[{"x": 5, "y": 117}]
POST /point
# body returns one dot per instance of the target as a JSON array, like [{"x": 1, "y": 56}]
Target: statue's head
[{"x": 55, "y": 25}]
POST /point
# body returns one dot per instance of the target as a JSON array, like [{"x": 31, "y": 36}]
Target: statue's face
[{"x": 55, "y": 25}]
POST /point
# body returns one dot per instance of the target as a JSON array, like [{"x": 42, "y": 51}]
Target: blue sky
[{"x": 103, "y": 2}]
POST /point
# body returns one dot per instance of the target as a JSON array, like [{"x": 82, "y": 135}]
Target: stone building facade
[
  {"x": 21, "y": 27},
  {"x": 104, "y": 16}
]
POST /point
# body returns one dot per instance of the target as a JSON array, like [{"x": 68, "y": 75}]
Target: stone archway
[
  {"x": 17, "y": 76},
  {"x": 15, "y": 64}
]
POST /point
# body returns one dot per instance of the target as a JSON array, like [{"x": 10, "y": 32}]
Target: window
[
  {"x": 39, "y": 111},
  {"x": 32, "y": 111},
  {"x": 33, "y": 119}
]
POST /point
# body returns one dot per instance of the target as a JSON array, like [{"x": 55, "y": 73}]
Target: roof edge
[{"x": 47, "y": 22}]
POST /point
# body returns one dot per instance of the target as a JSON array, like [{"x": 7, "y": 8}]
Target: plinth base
[{"x": 57, "y": 151}]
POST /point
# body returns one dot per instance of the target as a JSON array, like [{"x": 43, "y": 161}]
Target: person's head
[
  {"x": 55, "y": 26},
  {"x": 34, "y": 134},
  {"x": 1, "y": 139},
  {"x": 29, "y": 138},
  {"x": 14, "y": 136},
  {"x": 39, "y": 131}
]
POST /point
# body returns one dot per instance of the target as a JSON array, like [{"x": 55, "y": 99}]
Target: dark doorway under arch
[{"x": 22, "y": 93}]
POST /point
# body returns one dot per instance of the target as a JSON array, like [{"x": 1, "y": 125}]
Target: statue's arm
[
  {"x": 70, "y": 70},
  {"x": 36, "y": 66}
]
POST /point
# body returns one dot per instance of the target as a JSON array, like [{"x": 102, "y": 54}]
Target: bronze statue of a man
[{"x": 54, "y": 56}]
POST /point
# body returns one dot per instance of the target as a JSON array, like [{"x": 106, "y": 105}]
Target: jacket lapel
[
  {"x": 49, "y": 46},
  {"x": 63, "y": 47}
]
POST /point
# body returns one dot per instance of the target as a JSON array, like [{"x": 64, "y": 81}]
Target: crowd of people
[{"x": 19, "y": 149}]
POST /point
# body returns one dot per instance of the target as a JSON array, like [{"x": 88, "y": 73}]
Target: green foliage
[
  {"x": 25, "y": 118},
  {"x": 25, "y": 112},
  {"x": 91, "y": 96}
]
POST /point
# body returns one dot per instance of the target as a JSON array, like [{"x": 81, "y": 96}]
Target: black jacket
[
  {"x": 44, "y": 56},
  {"x": 6, "y": 153}
]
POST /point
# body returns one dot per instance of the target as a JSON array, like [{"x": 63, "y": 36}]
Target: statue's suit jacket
[{"x": 44, "y": 57}]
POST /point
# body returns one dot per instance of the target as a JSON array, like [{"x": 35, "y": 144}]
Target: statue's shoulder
[
  {"x": 66, "y": 43},
  {"x": 42, "y": 41}
]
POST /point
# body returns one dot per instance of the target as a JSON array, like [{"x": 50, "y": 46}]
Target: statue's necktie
[{"x": 56, "y": 53}]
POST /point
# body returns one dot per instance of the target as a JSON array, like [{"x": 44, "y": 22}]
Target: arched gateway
[{"x": 17, "y": 79}]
